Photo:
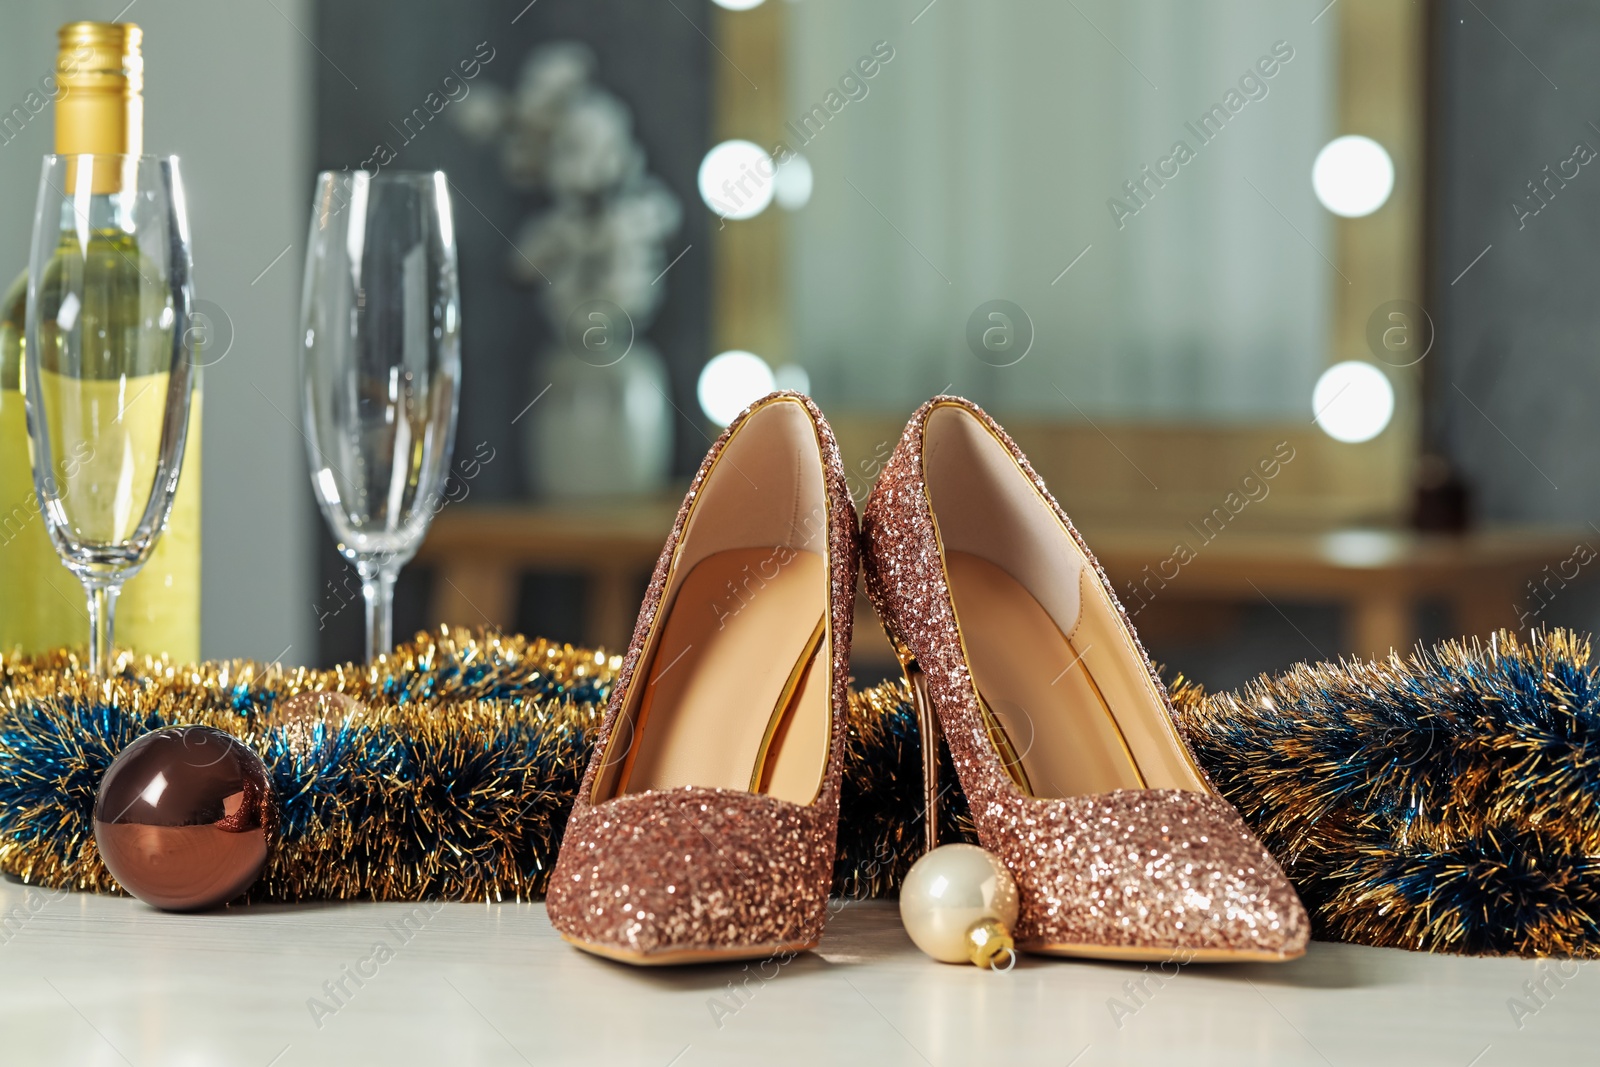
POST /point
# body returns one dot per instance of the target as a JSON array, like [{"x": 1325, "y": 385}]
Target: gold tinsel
[
  {"x": 448, "y": 776},
  {"x": 448, "y": 773},
  {"x": 1448, "y": 802}
]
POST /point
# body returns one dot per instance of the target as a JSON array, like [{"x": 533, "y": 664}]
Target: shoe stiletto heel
[
  {"x": 707, "y": 820},
  {"x": 928, "y": 728},
  {"x": 927, "y": 733},
  {"x": 1062, "y": 734}
]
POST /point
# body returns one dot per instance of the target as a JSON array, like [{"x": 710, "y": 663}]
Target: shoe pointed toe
[
  {"x": 1154, "y": 873},
  {"x": 692, "y": 873}
]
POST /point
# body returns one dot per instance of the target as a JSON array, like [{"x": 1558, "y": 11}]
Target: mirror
[{"x": 1147, "y": 224}]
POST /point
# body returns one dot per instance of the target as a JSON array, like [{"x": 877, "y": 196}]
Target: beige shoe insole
[
  {"x": 737, "y": 694},
  {"x": 1078, "y": 711}
]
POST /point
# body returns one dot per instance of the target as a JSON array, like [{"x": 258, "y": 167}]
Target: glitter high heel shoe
[
  {"x": 1062, "y": 733},
  {"x": 706, "y": 823}
]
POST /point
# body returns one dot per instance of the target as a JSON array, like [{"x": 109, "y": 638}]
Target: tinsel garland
[
  {"x": 450, "y": 777},
  {"x": 1447, "y": 802}
]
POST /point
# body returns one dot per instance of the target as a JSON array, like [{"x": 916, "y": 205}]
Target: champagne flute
[
  {"x": 380, "y": 364},
  {"x": 109, "y": 366}
]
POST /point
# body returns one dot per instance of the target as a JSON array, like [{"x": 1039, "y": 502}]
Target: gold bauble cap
[{"x": 988, "y": 942}]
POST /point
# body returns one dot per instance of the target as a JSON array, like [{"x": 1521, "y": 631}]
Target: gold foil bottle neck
[{"x": 100, "y": 94}]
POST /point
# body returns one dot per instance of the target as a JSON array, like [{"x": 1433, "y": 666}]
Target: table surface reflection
[{"x": 98, "y": 980}]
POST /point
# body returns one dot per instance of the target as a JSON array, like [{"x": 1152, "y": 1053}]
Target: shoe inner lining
[
  {"x": 737, "y": 695},
  {"x": 1049, "y": 654},
  {"x": 733, "y": 688}
]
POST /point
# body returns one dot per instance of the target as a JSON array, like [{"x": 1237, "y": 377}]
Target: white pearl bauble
[{"x": 950, "y": 891}]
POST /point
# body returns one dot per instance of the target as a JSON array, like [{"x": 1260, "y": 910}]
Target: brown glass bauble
[{"x": 185, "y": 818}]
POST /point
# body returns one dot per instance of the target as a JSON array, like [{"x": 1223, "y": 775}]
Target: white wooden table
[{"x": 87, "y": 980}]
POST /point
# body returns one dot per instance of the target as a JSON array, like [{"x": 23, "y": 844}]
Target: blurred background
[{"x": 1291, "y": 303}]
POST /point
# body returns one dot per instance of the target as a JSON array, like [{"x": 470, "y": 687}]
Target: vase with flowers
[{"x": 596, "y": 254}]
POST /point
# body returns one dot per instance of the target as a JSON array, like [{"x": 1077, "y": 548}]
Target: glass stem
[
  {"x": 102, "y": 617},
  {"x": 377, "y": 588}
]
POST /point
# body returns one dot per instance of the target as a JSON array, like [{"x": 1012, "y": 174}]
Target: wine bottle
[{"x": 99, "y": 111}]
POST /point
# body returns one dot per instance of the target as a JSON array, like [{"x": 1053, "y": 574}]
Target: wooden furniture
[
  {"x": 477, "y": 554},
  {"x": 1379, "y": 577}
]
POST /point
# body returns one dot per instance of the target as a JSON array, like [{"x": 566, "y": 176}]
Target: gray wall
[
  {"x": 1515, "y": 382},
  {"x": 226, "y": 89}
]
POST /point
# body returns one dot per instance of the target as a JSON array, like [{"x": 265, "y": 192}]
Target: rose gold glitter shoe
[
  {"x": 706, "y": 823},
  {"x": 1062, "y": 733}
]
